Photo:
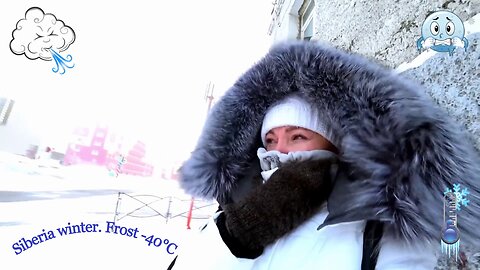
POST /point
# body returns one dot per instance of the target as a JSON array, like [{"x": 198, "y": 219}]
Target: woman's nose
[{"x": 281, "y": 146}]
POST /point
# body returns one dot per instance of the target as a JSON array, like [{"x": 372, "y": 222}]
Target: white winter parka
[{"x": 336, "y": 247}]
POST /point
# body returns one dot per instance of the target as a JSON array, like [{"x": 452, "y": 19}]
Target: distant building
[
  {"x": 103, "y": 147},
  {"x": 16, "y": 132},
  {"x": 6, "y": 106},
  {"x": 135, "y": 164},
  {"x": 293, "y": 19},
  {"x": 87, "y": 146}
]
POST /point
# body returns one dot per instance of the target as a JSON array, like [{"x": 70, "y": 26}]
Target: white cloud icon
[{"x": 39, "y": 33}]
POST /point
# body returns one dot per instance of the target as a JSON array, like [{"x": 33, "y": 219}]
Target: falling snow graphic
[
  {"x": 460, "y": 194},
  {"x": 41, "y": 35}
]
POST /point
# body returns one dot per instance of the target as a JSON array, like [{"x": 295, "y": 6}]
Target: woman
[{"x": 397, "y": 153}]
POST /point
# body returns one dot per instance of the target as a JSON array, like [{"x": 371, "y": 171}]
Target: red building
[
  {"x": 100, "y": 146},
  {"x": 87, "y": 146},
  {"x": 134, "y": 163}
]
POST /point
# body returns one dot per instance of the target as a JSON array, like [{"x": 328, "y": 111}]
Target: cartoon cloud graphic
[{"x": 38, "y": 34}]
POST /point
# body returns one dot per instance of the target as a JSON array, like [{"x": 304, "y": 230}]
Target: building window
[
  {"x": 74, "y": 147},
  {"x": 5, "y": 109},
  {"x": 100, "y": 134},
  {"x": 97, "y": 143},
  {"x": 305, "y": 16}
]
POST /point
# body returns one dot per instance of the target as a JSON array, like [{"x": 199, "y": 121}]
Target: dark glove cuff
[{"x": 236, "y": 247}]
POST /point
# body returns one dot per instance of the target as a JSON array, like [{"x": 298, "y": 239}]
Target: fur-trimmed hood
[{"x": 398, "y": 150}]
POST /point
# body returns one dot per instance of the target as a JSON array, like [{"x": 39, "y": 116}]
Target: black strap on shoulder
[
  {"x": 172, "y": 263},
  {"x": 371, "y": 239},
  {"x": 170, "y": 267}
]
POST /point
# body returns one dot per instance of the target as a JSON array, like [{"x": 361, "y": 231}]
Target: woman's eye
[
  {"x": 299, "y": 137},
  {"x": 269, "y": 141}
]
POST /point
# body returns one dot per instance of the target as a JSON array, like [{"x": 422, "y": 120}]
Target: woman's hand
[{"x": 294, "y": 193}]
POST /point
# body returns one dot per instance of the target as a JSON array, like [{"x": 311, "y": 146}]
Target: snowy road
[{"x": 36, "y": 206}]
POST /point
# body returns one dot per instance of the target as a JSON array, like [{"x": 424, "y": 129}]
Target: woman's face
[{"x": 290, "y": 139}]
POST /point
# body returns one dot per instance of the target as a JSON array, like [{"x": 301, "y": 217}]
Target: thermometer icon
[{"x": 450, "y": 233}]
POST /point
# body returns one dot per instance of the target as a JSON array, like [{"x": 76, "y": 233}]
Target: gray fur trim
[{"x": 398, "y": 148}]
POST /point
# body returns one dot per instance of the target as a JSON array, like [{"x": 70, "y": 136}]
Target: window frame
[{"x": 303, "y": 22}]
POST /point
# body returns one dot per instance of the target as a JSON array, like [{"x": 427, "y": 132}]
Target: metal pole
[
  {"x": 189, "y": 219},
  {"x": 209, "y": 96},
  {"x": 116, "y": 207},
  {"x": 168, "y": 210},
  {"x": 209, "y": 99}
]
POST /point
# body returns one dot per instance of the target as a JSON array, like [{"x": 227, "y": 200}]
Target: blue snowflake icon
[{"x": 460, "y": 194}]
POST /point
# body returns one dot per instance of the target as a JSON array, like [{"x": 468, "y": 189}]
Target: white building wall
[
  {"x": 17, "y": 135},
  {"x": 386, "y": 32},
  {"x": 285, "y": 20}
]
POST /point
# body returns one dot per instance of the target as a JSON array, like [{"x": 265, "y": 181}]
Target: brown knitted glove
[{"x": 293, "y": 194}]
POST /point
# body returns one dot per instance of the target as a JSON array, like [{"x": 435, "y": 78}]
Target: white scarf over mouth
[{"x": 270, "y": 161}]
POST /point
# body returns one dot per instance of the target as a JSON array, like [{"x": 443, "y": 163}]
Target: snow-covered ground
[{"x": 35, "y": 200}]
